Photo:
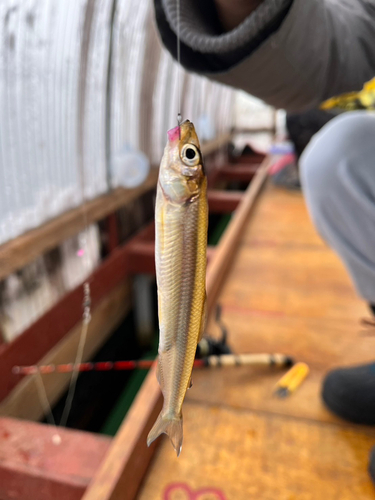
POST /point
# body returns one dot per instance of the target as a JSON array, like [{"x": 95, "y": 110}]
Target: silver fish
[{"x": 181, "y": 219}]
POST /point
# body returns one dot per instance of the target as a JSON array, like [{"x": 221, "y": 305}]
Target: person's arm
[
  {"x": 232, "y": 13},
  {"x": 293, "y": 54}
]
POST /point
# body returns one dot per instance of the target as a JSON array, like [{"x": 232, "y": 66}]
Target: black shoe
[{"x": 350, "y": 394}]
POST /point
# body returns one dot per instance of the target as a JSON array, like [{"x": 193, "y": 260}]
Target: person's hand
[{"x": 233, "y": 12}]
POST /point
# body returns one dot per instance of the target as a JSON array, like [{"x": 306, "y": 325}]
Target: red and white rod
[{"x": 277, "y": 360}]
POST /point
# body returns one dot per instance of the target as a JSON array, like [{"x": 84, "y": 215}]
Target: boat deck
[{"x": 286, "y": 292}]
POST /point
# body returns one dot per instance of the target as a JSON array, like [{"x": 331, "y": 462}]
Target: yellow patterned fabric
[{"x": 365, "y": 99}]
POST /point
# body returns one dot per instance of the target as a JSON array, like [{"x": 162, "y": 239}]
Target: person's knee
[{"x": 346, "y": 143}]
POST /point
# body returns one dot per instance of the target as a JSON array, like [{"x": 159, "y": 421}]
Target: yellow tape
[{"x": 293, "y": 378}]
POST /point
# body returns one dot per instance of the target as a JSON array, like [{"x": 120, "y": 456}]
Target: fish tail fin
[{"x": 172, "y": 426}]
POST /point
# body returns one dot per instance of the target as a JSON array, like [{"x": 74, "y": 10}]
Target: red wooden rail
[
  {"x": 33, "y": 467},
  {"x": 238, "y": 172}
]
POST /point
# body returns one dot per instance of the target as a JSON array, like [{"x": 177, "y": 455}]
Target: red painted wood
[
  {"x": 33, "y": 467},
  {"x": 2, "y": 339},
  {"x": 238, "y": 172},
  {"x": 141, "y": 251},
  {"x": 146, "y": 234},
  {"x": 252, "y": 159},
  {"x": 29, "y": 347},
  {"x": 223, "y": 202},
  {"x": 136, "y": 256},
  {"x": 210, "y": 253},
  {"x": 113, "y": 239},
  {"x": 141, "y": 257}
]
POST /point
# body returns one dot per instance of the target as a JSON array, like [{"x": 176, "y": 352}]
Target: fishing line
[
  {"x": 86, "y": 318},
  {"x": 82, "y": 252},
  {"x": 179, "y": 96},
  {"x": 82, "y": 340},
  {"x": 47, "y": 410}
]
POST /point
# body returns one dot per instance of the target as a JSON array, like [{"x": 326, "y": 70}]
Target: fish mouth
[{"x": 174, "y": 134}]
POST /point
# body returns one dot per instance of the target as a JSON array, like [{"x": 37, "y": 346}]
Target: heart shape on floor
[{"x": 181, "y": 491}]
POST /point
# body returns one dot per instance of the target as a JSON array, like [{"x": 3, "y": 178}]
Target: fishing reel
[{"x": 209, "y": 346}]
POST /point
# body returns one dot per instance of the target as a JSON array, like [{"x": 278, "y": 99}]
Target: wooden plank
[
  {"x": 124, "y": 466},
  {"x": 250, "y": 131},
  {"x": 236, "y": 454},
  {"x": 141, "y": 251},
  {"x": 210, "y": 254},
  {"x": 34, "y": 343},
  {"x": 250, "y": 159},
  {"x": 237, "y": 172},
  {"x": 2, "y": 339},
  {"x": 128, "y": 457},
  {"x": 227, "y": 246},
  {"x": 142, "y": 257},
  {"x": 223, "y": 202},
  {"x": 286, "y": 292},
  {"x": 25, "y": 471},
  {"x": 285, "y": 284},
  {"x": 113, "y": 239},
  {"x": 281, "y": 220},
  {"x": 24, "y": 401},
  {"x": 285, "y": 264},
  {"x": 321, "y": 343},
  {"x": 22, "y": 250}
]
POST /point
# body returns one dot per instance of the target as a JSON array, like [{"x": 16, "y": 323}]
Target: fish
[{"x": 181, "y": 223}]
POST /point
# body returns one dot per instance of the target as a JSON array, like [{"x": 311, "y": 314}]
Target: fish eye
[{"x": 190, "y": 155}]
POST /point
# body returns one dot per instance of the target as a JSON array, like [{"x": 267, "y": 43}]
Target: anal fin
[{"x": 159, "y": 374}]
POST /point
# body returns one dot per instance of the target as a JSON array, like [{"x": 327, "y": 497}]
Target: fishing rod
[
  {"x": 211, "y": 353},
  {"x": 223, "y": 360}
]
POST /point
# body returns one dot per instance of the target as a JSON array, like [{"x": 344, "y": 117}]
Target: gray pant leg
[{"x": 338, "y": 179}]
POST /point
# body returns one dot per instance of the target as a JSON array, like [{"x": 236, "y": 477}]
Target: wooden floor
[{"x": 286, "y": 292}]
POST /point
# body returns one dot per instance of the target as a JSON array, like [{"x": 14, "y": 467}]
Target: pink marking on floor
[{"x": 215, "y": 494}]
